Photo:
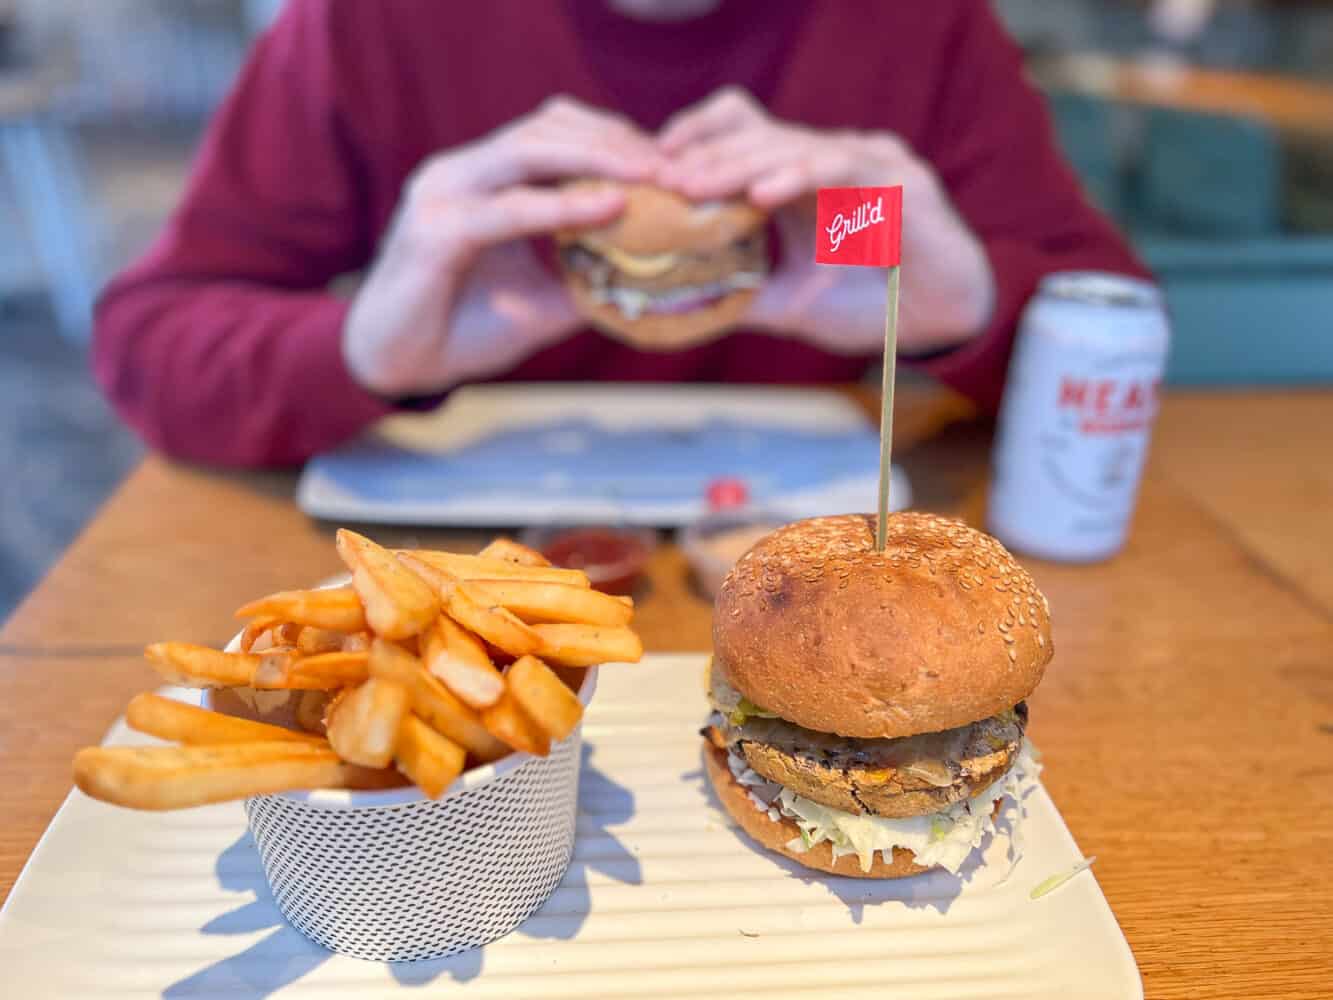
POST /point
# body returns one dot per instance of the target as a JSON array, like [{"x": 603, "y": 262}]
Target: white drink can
[{"x": 1077, "y": 412}]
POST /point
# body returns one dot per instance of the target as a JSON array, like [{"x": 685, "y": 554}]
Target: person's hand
[
  {"x": 456, "y": 292},
  {"x": 729, "y": 146}
]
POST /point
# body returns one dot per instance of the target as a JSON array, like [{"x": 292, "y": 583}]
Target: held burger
[
  {"x": 869, "y": 711},
  {"x": 668, "y": 273}
]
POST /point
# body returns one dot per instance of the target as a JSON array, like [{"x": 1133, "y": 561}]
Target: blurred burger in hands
[
  {"x": 868, "y": 707},
  {"x": 668, "y": 273}
]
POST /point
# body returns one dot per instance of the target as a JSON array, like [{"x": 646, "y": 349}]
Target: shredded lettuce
[
  {"x": 1055, "y": 881},
  {"x": 940, "y": 828},
  {"x": 634, "y": 302},
  {"x": 945, "y": 838}
]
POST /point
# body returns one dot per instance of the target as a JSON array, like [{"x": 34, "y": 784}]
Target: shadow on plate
[
  {"x": 277, "y": 960},
  {"x": 284, "y": 956}
]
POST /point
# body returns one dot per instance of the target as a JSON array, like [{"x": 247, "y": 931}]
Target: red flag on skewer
[{"x": 860, "y": 226}]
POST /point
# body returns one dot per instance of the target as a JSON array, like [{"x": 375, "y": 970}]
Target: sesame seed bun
[
  {"x": 776, "y": 834},
  {"x": 662, "y": 243},
  {"x": 941, "y": 629}
]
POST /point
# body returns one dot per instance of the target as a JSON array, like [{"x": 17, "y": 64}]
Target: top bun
[
  {"x": 941, "y": 629},
  {"x": 658, "y": 221}
]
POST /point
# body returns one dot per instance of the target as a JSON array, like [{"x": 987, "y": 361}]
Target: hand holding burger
[
  {"x": 662, "y": 244},
  {"x": 730, "y": 147},
  {"x": 456, "y": 292}
]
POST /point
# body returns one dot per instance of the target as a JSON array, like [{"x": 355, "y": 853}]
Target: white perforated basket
[{"x": 394, "y": 876}]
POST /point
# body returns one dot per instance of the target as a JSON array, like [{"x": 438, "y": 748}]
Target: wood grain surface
[
  {"x": 1281, "y": 100},
  {"x": 1186, "y": 721}
]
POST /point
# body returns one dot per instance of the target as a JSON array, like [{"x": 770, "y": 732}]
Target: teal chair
[
  {"x": 1247, "y": 311},
  {"x": 1208, "y": 175},
  {"x": 1085, "y": 129}
]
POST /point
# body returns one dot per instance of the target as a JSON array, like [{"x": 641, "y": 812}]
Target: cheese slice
[{"x": 638, "y": 265}]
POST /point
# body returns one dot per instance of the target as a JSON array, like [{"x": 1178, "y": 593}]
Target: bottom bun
[
  {"x": 776, "y": 834},
  {"x": 662, "y": 331}
]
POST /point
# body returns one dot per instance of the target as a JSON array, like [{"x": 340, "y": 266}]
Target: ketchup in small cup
[{"x": 613, "y": 558}]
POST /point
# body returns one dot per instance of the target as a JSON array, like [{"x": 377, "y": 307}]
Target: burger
[
  {"x": 868, "y": 707},
  {"x": 668, "y": 273}
]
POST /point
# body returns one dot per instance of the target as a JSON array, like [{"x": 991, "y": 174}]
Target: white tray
[
  {"x": 638, "y": 454},
  {"x": 663, "y": 899}
]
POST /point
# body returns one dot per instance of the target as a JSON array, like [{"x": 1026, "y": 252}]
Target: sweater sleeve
[
  {"x": 223, "y": 344},
  {"x": 993, "y": 146}
]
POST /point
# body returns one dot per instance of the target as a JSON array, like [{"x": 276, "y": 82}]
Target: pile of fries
[{"x": 425, "y": 663}]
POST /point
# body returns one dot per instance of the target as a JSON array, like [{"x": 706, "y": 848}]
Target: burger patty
[
  {"x": 911, "y": 776},
  {"x": 746, "y": 255}
]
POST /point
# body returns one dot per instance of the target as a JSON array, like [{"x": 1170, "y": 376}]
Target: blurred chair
[
  {"x": 1247, "y": 310},
  {"x": 1210, "y": 175},
  {"x": 1085, "y": 127},
  {"x": 40, "y": 162},
  {"x": 1249, "y": 303}
]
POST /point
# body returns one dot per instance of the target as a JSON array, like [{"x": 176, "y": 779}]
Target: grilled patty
[{"x": 912, "y": 776}]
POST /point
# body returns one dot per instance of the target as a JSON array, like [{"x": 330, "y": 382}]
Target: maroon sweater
[{"x": 223, "y": 344}]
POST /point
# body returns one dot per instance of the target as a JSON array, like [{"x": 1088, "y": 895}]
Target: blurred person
[{"x": 416, "y": 141}]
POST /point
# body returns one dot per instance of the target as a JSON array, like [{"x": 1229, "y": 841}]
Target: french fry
[
  {"x": 168, "y": 719},
  {"x": 506, "y": 721},
  {"x": 310, "y": 709},
  {"x": 180, "y": 777},
  {"x": 514, "y": 552},
  {"x": 254, "y": 631},
  {"x": 314, "y": 640},
  {"x": 587, "y": 645},
  {"x": 363, "y": 727},
  {"x": 430, "y": 760},
  {"x": 543, "y": 697},
  {"x": 427, "y": 661},
  {"x": 503, "y": 629},
  {"x": 323, "y": 672},
  {"x": 337, "y": 608},
  {"x": 286, "y": 634},
  {"x": 433, "y": 702},
  {"x": 482, "y": 568},
  {"x": 536, "y": 601},
  {"x": 398, "y": 602},
  {"x": 336, "y": 698},
  {"x": 356, "y": 642},
  {"x": 201, "y": 666},
  {"x": 459, "y": 659},
  {"x": 441, "y": 582},
  {"x": 571, "y": 677}
]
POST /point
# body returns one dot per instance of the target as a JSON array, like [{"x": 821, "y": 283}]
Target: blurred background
[{"x": 1205, "y": 127}]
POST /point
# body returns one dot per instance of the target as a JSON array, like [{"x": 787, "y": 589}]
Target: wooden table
[
  {"x": 1187, "y": 720},
  {"x": 1287, "y": 103}
]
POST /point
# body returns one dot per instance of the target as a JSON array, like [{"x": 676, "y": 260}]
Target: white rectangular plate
[
  {"x": 664, "y": 899},
  {"x": 637, "y": 454}
]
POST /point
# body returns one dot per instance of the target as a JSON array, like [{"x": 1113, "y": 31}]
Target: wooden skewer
[{"x": 886, "y": 409}]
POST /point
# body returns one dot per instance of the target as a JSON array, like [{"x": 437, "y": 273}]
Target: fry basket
[{"x": 394, "y": 876}]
